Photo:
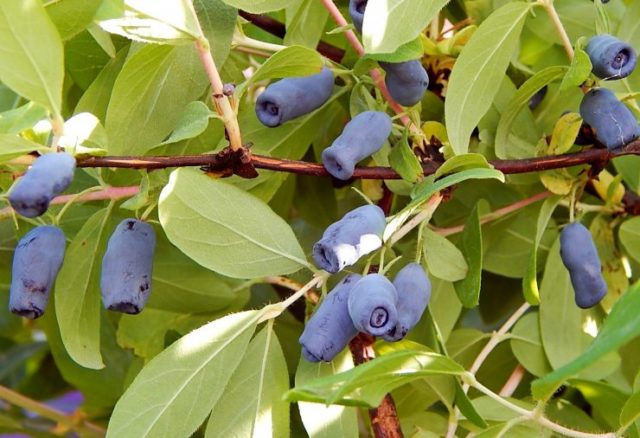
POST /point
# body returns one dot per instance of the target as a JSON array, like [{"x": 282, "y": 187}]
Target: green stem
[
  {"x": 82, "y": 427},
  {"x": 533, "y": 415},
  {"x": 557, "y": 24}
]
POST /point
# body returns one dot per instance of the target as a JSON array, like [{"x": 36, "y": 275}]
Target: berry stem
[
  {"x": 557, "y": 24},
  {"x": 85, "y": 428}
]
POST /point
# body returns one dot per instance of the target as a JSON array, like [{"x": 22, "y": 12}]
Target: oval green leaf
[
  {"x": 479, "y": 69},
  {"x": 226, "y": 229}
]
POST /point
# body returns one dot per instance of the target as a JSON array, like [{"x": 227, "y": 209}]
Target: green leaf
[
  {"x": 406, "y": 52},
  {"x": 629, "y": 235},
  {"x": 291, "y": 61},
  {"x": 329, "y": 421},
  {"x": 388, "y": 25},
  {"x": 181, "y": 285},
  {"x": 218, "y": 22},
  {"x": 259, "y": 6},
  {"x": 367, "y": 384},
  {"x": 78, "y": 300},
  {"x": 13, "y": 146},
  {"x": 478, "y": 70},
  {"x": 174, "y": 393},
  {"x": 578, "y": 72},
  {"x": 72, "y": 16},
  {"x": 149, "y": 95},
  {"x": 468, "y": 289},
  {"x": 602, "y": 18},
  {"x": 22, "y": 118},
  {"x": 426, "y": 188},
  {"x": 102, "y": 388},
  {"x": 526, "y": 345},
  {"x": 530, "y": 279},
  {"x": 458, "y": 163},
  {"x": 560, "y": 317},
  {"x": 565, "y": 133},
  {"x": 31, "y": 59},
  {"x": 252, "y": 404},
  {"x": 621, "y": 326},
  {"x": 517, "y": 103},
  {"x": 193, "y": 122},
  {"x": 405, "y": 162},
  {"x": 305, "y": 23},
  {"x": 167, "y": 22},
  {"x": 226, "y": 229},
  {"x": 631, "y": 410},
  {"x": 443, "y": 258},
  {"x": 466, "y": 407}
]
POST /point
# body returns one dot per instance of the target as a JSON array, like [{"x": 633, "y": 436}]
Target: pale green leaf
[
  {"x": 389, "y": 24},
  {"x": 12, "y": 146},
  {"x": 252, "y": 404},
  {"x": 367, "y": 384},
  {"x": 167, "y": 22},
  {"x": 226, "y": 229},
  {"x": 530, "y": 278},
  {"x": 621, "y": 326},
  {"x": 629, "y": 234},
  {"x": 578, "y": 72},
  {"x": 149, "y": 95},
  {"x": 291, "y": 61},
  {"x": 259, "y": 6},
  {"x": 480, "y": 67},
  {"x": 77, "y": 291},
  {"x": 405, "y": 162},
  {"x": 321, "y": 421},
  {"x": 22, "y": 118},
  {"x": 560, "y": 317},
  {"x": 458, "y": 163},
  {"x": 72, "y": 16},
  {"x": 31, "y": 54},
  {"x": 175, "y": 392},
  {"x": 518, "y": 102},
  {"x": 443, "y": 258},
  {"x": 305, "y": 23}
]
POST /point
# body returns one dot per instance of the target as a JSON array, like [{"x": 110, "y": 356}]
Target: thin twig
[
  {"x": 84, "y": 427},
  {"x": 516, "y": 206},
  {"x": 512, "y": 382},
  {"x": 113, "y": 193}
]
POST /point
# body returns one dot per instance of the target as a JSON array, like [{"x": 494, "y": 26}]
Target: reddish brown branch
[
  {"x": 276, "y": 28},
  {"x": 384, "y": 418},
  {"x": 594, "y": 157}
]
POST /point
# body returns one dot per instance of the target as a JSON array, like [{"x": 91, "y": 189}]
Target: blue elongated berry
[
  {"x": 373, "y": 305},
  {"x": 610, "y": 57},
  {"x": 580, "y": 257},
  {"x": 125, "y": 280},
  {"x": 330, "y": 328},
  {"x": 293, "y": 97},
  {"x": 406, "y": 81},
  {"x": 537, "y": 98},
  {"x": 49, "y": 175},
  {"x": 358, "y": 233},
  {"x": 361, "y": 137},
  {"x": 613, "y": 123},
  {"x": 414, "y": 291},
  {"x": 356, "y": 11},
  {"x": 36, "y": 262}
]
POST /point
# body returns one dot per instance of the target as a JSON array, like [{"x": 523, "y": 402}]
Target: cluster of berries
[
  {"x": 370, "y": 304},
  {"x": 366, "y": 133},
  {"x": 613, "y": 123},
  {"x": 125, "y": 279}
]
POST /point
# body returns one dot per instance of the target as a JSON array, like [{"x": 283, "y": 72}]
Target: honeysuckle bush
[{"x": 502, "y": 349}]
